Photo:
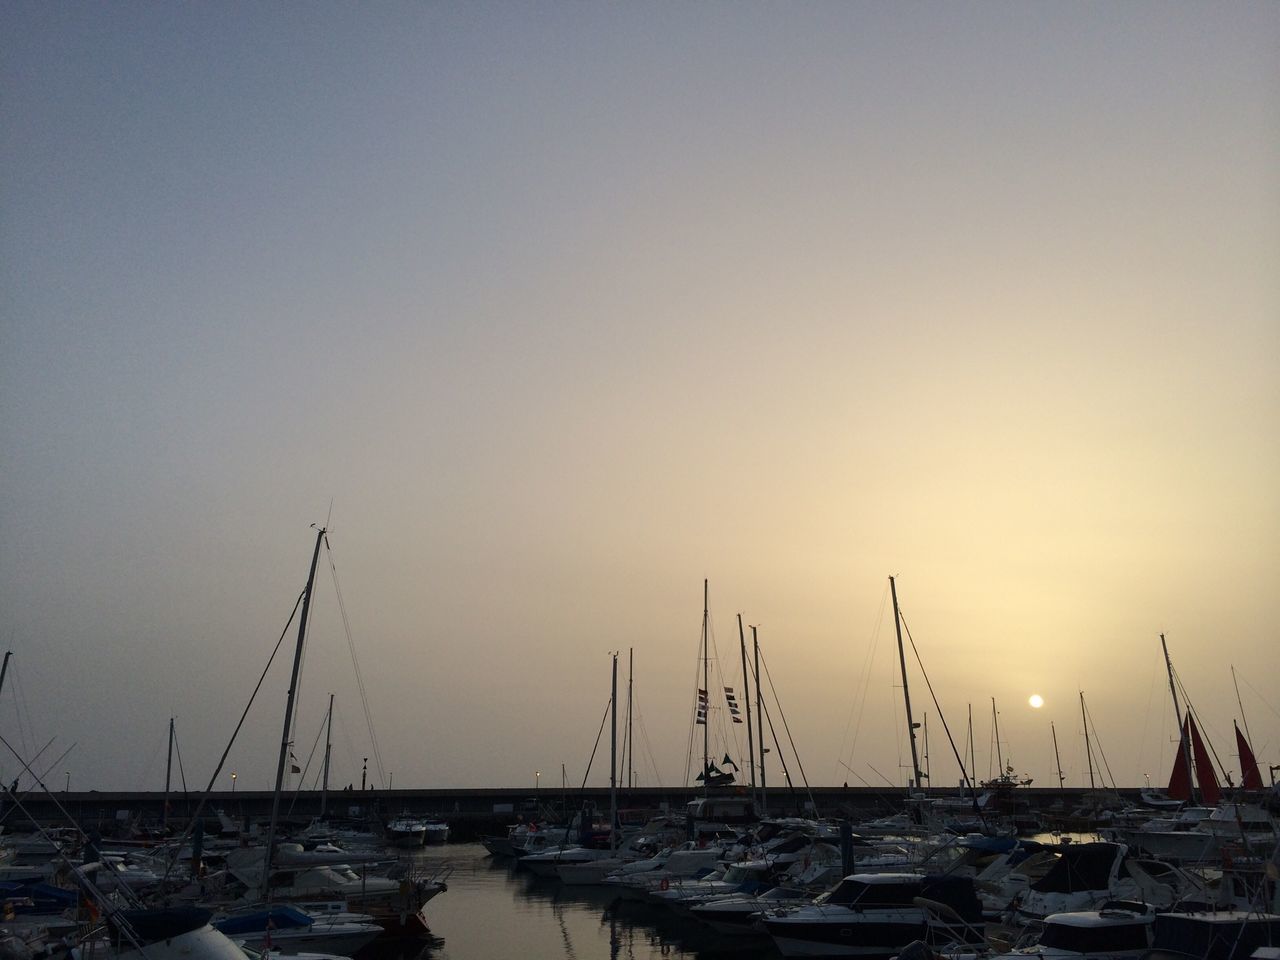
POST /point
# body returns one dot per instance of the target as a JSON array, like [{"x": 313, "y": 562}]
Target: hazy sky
[{"x": 565, "y": 307}]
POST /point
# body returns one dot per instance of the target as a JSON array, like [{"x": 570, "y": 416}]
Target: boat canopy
[{"x": 1082, "y": 866}]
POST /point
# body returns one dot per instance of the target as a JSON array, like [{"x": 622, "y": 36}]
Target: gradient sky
[{"x": 565, "y": 307}]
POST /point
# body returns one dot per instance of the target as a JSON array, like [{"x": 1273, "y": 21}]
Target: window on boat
[
  {"x": 855, "y": 892},
  {"x": 1127, "y": 936}
]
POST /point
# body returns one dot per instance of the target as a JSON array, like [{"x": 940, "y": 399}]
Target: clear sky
[{"x": 565, "y": 307}]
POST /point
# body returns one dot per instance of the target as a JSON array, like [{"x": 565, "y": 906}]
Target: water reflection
[{"x": 492, "y": 910}]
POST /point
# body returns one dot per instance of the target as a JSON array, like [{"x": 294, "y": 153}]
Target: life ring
[{"x": 665, "y": 884}]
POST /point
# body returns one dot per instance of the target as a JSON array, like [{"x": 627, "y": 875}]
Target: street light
[
  {"x": 68, "y": 787},
  {"x": 233, "y": 782},
  {"x": 537, "y": 779}
]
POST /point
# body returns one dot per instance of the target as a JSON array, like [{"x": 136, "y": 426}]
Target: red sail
[
  {"x": 1250, "y": 778},
  {"x": 1210, "y": 792},
  {"x": 1180, "y": 779}
]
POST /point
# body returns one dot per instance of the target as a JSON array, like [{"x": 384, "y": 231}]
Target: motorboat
[
  {"x": 286, "y": 929},
  {"x": 875, "y": 915},
  {"x": 1118, "y": 931},
  {"x": 406, "y": 831}
]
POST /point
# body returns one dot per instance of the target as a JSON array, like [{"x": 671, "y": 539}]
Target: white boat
[
  {"x": 170, "y": 933},
  {"x": 1119, "y": 931},
  {"x": 406, "y": 831},
  {"x": 1086, "y": 875},
  {"x": 875, "y": 915},
  {"x": 286, "y": 929},
  {"x": 437, "y": 831}
]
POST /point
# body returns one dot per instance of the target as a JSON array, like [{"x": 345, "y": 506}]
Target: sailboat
[{"x": 283, "y": 871}]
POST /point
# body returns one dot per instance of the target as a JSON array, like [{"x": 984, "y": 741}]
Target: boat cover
[{"x": 1082, "y": 866}]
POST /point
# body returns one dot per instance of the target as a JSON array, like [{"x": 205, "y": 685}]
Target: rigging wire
[
  {"x": 781, "y": 713},
  {"x": 860, "y": 702},
  {"x": 964, "y": 774},
  {"x": 355, "y": 663},
  {"x": 1097, "y": 742},
  {"x": 599, "y": 734},
  {"x": 213, "y": 778}
]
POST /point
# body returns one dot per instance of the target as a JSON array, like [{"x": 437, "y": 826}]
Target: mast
[
  {"x": 328, "y": 746},
  {"x": 906, "y": 693},
  {"x": 926, "y": 748},
  {"x": 973, "y": 757},
  {"x": 706, "y": 695},
  {"x": 288, "y": 714},
  {"x": 1088, "y": 752},
  {"x": 4, "y": 668},
  {"x": 627, "y": 744},
  {"x": 1240, "y": 704},
  {"x": 746, "y": 700},
  {"x": 1183, "y": 737},
  {"x": 764, "y": 795},
  {"x": 995, "y": 731},
  {"x": 1056, "y": 758},
  {"x": 613, "y": 760},
  {"x": 168, "y": 778}
]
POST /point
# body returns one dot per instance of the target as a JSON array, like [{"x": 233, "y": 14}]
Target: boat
[
  {"x": 1086, "y": 875},
  {"x": 1219, "y": 935},
  {"x": 406, "y": 831},
  {"x": 437, "y": 831},
  {"x": 1118, "y": 931},
  {"x": 875, "y": 915},
  {"x": 286, "y": 929}
]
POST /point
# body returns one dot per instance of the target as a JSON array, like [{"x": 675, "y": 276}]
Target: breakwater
[{"x": 470, "y": 812}]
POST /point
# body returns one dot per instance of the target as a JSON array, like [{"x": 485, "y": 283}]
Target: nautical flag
[
  {"x": 702, "y": 707},
  {"x": 734, "y": 713}
]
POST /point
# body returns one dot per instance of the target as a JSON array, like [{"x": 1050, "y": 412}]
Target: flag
[
  {"x": 735, "y": 714},
  {"x": 702, "y": 707},
  {"x": 728, "y": 762}
]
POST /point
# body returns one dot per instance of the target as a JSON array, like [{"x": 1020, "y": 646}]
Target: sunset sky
[{"x": 552, "y": 311}]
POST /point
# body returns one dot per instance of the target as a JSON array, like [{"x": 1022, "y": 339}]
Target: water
[{"x": 491, "y": 911}]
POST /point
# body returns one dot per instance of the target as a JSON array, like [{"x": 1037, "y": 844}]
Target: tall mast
[
  {"x": 328, "y": 747},
  {"x": 288, "y": 714},
  {"x": 1184, "y": 743},
  {"x": 973, "y": 756},
  {"x": 746, "y": 700},
  {"x": 906, "y": 693},
  {"x": 613, "y": 759},
  {"x": 1088, "y": 751},
  {"x": 1056, "y": 758},
  {"x": 627, "y": 745},
  {"x": 995, "y": 731},
  {"x": 706, "y": 693},
  {"x": 764, "y": 782},
  {"x": 168, "y": 775}
]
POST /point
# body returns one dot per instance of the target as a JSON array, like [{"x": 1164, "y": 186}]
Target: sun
[{"x": 1036, "y": 700}]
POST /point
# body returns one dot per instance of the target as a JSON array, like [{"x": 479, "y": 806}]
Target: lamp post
[
  {"x": 537, "y": 779},
  {"x": 68, "y": 787},
  {"x": 233, "y": 781}
]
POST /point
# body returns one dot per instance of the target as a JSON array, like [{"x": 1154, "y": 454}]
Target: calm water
[{"x": 492, "y": 911}]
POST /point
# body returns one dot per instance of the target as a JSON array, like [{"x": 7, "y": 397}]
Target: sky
[{"x": 552, "y": 311}]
